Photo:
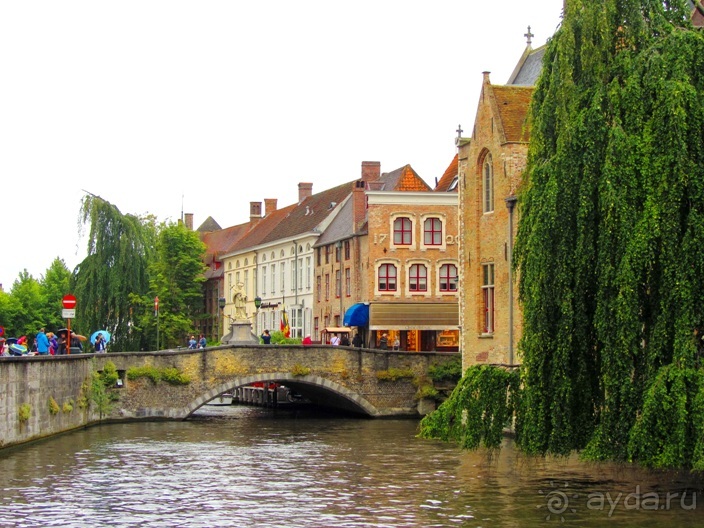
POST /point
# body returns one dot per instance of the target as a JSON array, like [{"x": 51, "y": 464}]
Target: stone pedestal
[{"x": 240, "y": 333}]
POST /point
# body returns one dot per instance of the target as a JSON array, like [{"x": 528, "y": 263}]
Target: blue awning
[{"x": 357, "y": 315}]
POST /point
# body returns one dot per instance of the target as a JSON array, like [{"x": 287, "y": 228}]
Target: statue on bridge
[{"x": 240, "y": 300}]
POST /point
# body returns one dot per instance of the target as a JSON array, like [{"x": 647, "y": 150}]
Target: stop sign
[{"x": 69, "y": 301}]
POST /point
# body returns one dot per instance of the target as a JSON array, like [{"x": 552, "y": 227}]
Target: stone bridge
[{"x": 42, "y": 395}]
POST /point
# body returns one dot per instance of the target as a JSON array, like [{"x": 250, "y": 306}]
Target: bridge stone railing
[{"x": 41, "y": 396}]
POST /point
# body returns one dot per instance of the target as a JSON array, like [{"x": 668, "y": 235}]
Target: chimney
[
  {"x": 304, "y": 190},
  {"x": 269, "y": 206},
  {"x": 189, "y": 221},
  {"x": 371, "y": 170},
  {"x": 255, "y": 213},
  {"x": 359, "y": 205}
]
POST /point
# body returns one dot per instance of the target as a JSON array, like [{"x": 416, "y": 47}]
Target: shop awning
[
  {"x": 414, "y": 316},
  {"x": 357, "y": 315}
]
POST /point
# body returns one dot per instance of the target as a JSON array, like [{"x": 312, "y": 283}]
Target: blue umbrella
[{"x": 106, "y": 336}]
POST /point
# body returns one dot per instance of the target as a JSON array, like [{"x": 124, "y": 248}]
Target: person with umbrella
[
  {"x": 99, "y": 343},
  {"x": 100, "y": 339}
]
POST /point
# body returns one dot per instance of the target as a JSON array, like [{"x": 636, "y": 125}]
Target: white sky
[{"x": 212, "y": 104}]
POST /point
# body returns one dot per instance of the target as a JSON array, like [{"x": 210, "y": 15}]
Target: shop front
[{"x": 415, "y": 327}]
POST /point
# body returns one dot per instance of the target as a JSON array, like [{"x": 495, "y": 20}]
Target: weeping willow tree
[
  {"x": 610, "y": 246},
  {"x": 609, "y": 249},
  {"x": 119, "y": 250}
]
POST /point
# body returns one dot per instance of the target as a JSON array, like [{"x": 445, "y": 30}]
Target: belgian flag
[{"x": 285, "y": 328}]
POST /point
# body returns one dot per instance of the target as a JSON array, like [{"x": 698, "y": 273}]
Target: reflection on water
[{"x": 243, "y": 466}]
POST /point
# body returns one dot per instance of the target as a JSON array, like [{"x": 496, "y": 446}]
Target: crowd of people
[{"x": 51, "y": 344}]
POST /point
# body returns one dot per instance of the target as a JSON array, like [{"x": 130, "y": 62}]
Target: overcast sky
[{"x": 204, "y": 106}]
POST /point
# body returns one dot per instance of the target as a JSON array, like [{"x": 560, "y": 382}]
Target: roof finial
[
  {"x": 528, "y": 36},
  {"x": 459, "y": 131}
]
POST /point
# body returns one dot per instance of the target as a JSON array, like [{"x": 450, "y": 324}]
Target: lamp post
[
  {"x": 257, "y": 304},
  {"x": 510, "y": 205},
  {"x": 221, "y": 303}
]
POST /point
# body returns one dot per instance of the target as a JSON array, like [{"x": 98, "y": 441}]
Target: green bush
[
  {"x": 450, "y": 371},
  {"x": 393, "y": 374}
]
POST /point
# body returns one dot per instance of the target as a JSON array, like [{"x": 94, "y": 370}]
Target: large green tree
[
  {"x": 176, "y": 276},
  {"x": 609, "y": 246},
  {"x": 120, "y": 247}
]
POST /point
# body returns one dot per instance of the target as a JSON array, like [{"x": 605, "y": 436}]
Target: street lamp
[
  {"x": 257, "y": 304},
  {"x": 221, "y": 303}
]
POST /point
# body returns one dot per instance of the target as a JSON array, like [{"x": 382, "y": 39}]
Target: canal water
[{"x": 248, "y": 467}]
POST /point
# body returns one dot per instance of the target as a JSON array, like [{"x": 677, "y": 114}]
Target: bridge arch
[{"x": 347, "y": 400}]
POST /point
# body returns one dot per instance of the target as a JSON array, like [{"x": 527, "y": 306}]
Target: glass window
[
  {"x": 448, "y": 278},
  {"x": 327, "y": 286},
  {"x": 488, "y": 297},
  {"x": 432, "y": 229},
  {"x": 319, "y": 286},
  {"x": 488, "y": 182},
  {"x": 263, "y": 278},
  {"x": 273, "y": 278},
  {"x": 387, "y": 277},
  {"x": 348, "y": 282},
  {"x": 418, "y": 278},
  {"x": 283, "y": 275},
  {"x": 347, "y": 249},
  {"x": 402, "y": 231},
  {"x": 338, "y": 283}
]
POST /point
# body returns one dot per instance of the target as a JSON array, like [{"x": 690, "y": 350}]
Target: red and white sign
[{"x": 69, "y": 301}]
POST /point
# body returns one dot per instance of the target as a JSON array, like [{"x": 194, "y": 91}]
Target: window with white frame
[
  {"x": 488, "y": 297},
  {"x": 387, "y": 277},
  {"x": 418, "y": 278},
  {"x": 488, "y": 185},
  {"x": 273, "y": 278},
  {"x": 263, "y": 278},
  {"x": 403, "y": 231},
  {"x": 300, "y": 274},
  {"x": 432, "y": 232},
  {"x": 448, "y": 278},
  {"x": 293, "y": 275},
  {"x": 283, "y": 276},
  {"x": 309, "y": 272}
]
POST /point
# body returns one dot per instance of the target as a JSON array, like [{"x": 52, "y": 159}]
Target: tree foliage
[
  {"x": 612, "y": 225},
  {"x": 609, "y": 248},
  {"x": 176, "y": 276},
  {"x": 119, "y": 250}
]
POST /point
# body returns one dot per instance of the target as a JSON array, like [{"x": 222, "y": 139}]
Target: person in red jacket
[{"x": 307, "y": 340}]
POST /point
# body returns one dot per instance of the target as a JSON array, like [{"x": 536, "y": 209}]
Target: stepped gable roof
[
  {"x": 512, "y": 108},
  {"x": 445, "y": 183},
  {"x": 262, "y": 228},
  {"x": 218, "y": 242},
  {"x": 403, "y": 179},
  {"x": 309, "y": 213},
  {"x": 209, "y": 225}
]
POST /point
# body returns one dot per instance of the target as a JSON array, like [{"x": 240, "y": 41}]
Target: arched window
[
  {"x": 403, "y": 234},
  {"x": 448, "y": 278},
  {"x": 488, "y": 184},
  {"x": 387, "y": 277},
  {"x": 432, "y": 232},
  {"x": 418, "y": 278}
]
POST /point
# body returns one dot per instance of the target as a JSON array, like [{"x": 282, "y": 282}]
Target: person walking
[
  {"x": 42, "y": 343},
  {"x": 384, "y": 342},
  {"x": 307, "y": 341},
  {"x": 345, "y": 340},
  {"x": 335, "y": 341},
  {"x": 266, "y": 337}
]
